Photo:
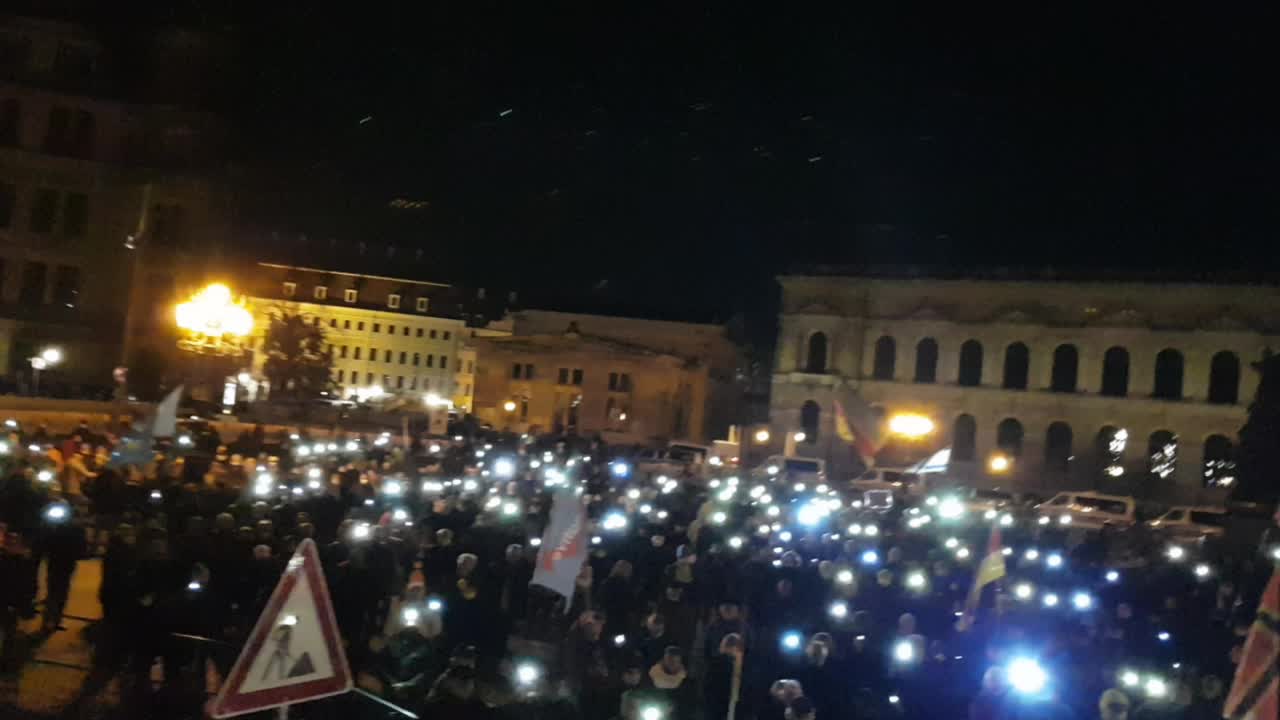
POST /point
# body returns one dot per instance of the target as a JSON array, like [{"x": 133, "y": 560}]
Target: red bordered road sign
[{"x": 294, "y": 653}]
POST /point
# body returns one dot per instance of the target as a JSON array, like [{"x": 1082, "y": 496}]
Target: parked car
[
  {"x": 980, "y": 501},
  {"x": 1191, "y": 522},
  {"x": 1088, "y": 510}
]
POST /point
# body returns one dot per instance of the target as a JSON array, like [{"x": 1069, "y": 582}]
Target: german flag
[
  {"x": 1255, "y": 692},
  {"x": 990, "y": 569},
  {"x": 860, "y": 428}
]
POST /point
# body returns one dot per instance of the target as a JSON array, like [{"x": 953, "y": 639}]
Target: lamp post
[
  {"x": 46, "y": 359},
  {"x": 214, "y": 324}
]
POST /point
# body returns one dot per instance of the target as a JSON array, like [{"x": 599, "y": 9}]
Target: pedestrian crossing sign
[{"x": 294, "y": 653}]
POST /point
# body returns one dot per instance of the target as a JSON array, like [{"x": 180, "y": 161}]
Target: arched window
[
  {"x": 816, "y": 359},
  {"x": 885, "y": 358},
  {"x": 1016, "y": 360},
  {"x": 1115, "y": 372},
  {"x": 964, "y": 439},
  {"x": 1009, "y": 437},
  {"x": 1219, "y": 462},
  {"x": 1168, "y": 383},
  {"x": 1162, "y": 454},
  {"x": 1057, "y": 446},
  {"x": 1066, "y": 363},
  {"x": 1108, "y": 450},
  {"x": 1224, "y": 378},
  {"x": 927, "y": 361},
  {"x": 970, "y": 364},
  {"x": 810, "y": 416}
]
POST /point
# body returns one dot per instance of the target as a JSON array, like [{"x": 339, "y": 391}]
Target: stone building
[
  {"x": 108, "y": 207},
  {"x": 1137, "y": 387},
  {"x": 386, "y": 334},
  {"x": 629, "y": 379}
]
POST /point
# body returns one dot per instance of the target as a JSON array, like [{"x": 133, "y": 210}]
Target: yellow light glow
[
  {"x": 800, "y": 436},
  {"x": 910, "y": 425},
  {"x": 509, "y": 406},
  {"x": 212, "y": 313},
  {"x": 762, "y": 435},
  {"x": 999, "y": 463}
]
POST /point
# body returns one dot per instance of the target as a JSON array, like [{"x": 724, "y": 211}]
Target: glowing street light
[
  {"x": 799, "y": 436},
  {"x": 212, "y": 315},
  {"x": 762, "y": 436},
  {"x": 999, "y": 463},
  {"x": 509, "y": 406},
  {"x": 911, "y": 426}
]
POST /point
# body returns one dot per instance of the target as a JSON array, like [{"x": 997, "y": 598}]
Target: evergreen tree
[
  {"x": 298, "y": 364},
  {"x": 1258, "y": 461}
]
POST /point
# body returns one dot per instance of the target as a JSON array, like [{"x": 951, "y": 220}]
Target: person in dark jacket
[{"x": 64, "y": 545}]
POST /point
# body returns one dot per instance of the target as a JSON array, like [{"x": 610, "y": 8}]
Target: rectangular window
[
  {"x": 386, "y": 381},
  {"x": 413, "y": 383},
  {"x": 528, "y": 371},
  {"x": 66, "y": 285},
  {"x": 44, "y": 208},
  {"x": 431, "y": 361},
  {"x": 346, "y": 324},
  {"x": 393, "y": 301},
  {"x": 445, "y": 335},
  {"x": 399, "y": 382},
  {"x": 613, "y": 381},
  {"x": 33, "y": 280},
  {"x": 349, "y": 296},
  {"x": 515, "y": 371},
  {"x": 290, "y": 289},
  {"x": 563, "y": 379},
  {"x": 391, "y": 329},
  {"x": 8, "y": 199},
  {"x": 404, "y": 357},
  {"x": 340, "y": 374},
  {"x": 405, "y": 331},
  {"x": 386, "y": 356},
  {"x": 360, "y": 326},
  {"x": 321, "y": 292},
  {"x": 377, "y": 327},
  {"x": 444, "y": 362},
  {"x": 624, "y": 382},
  {"x": 368, "y": 378},
  {"x": 373, "y": 354},
  {"x": 355, "y": 354},
  {"x": 432, "y": 334},
  {"x": 333, "y": 323},
  {"x": 342, "y": 352},
  {"x": 524, "y": 408},
  {"x": 419, "y": 332},
  {"x": 417, "y": 359},
  {"x": 75, "y": 214},
  {"x": 422, "y": 305},
  {"x": 577, "y": 376}
]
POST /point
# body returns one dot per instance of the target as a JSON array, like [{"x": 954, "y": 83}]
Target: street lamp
[
  {"x": 999, "y": 463},
  {"x": 762, "y": 436},
  {"x": 911, "y": 426},
  {"x": 210, "y": 316},
  {"x": 800, "y": 436},
  {"x": 46, "y": 359},
  {"x": 509, "y": 406}
]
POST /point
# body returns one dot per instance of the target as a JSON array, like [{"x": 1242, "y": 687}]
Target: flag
[
  {"x": 1255, "y": 692},
  {"x": 990, "y": 569},
  {"x": 861, "y": 428},
  {"x": 165, "y": 423},
  {"x": 564, "y": 546}
]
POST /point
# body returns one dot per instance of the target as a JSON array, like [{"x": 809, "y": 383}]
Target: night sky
[{"x": 670, "y": 158}]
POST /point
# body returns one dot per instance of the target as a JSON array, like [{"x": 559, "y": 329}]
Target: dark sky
[{"x": 673, "y": 156}]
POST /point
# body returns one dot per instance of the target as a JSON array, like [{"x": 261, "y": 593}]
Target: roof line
[{"x": 351, "y": 274}]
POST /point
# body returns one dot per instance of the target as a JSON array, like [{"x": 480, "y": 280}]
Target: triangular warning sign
[{"x": 294, "y": 653}]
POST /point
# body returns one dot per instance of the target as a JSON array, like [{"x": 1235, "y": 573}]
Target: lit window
[
  {"x": 422, "y": 304},
  {"x": 349, "y": 296},
  {"x": 290, "y": 289},
  {"x": 393, "y": 301},
  {"x": 321, "y": 292}
]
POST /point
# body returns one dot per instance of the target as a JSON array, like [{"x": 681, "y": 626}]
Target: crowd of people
[{"x": 743, "y": 595}]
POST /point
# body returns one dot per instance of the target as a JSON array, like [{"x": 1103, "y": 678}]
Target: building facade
[
  {"x": 382, "y": 332},
  {"x": 108, "y": 210},
  {"x": 1130, "y": 387}
]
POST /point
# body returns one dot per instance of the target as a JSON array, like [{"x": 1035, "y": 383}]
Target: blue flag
[{"x": 564, "y": 545}]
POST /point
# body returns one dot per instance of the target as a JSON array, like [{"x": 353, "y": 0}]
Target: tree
[
  {"x": 1258, "y": 461},
  {"x": 298, "y": 365}
]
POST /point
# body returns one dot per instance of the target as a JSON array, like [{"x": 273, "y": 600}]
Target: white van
[
  {"x": 811, "y": 471},
  {"x": 1191, "y": 522},
  {"x": 1088, "y": 510}
]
